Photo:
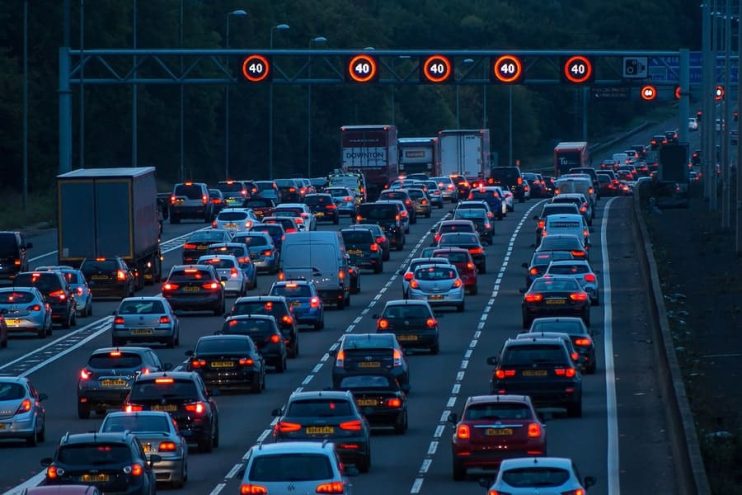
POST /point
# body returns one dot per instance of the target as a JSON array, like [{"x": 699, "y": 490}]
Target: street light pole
[
  {"x": 182, "y": 97},
  {"x": 466, "y": 61},
  {"x": 134, "y": 92},
  {"x": 25, "y": 104},
  {"x": 510, "y": 125},
  {"x": 278, "y": 27},
  {"x": 316, "y": 40},
  {"x": 82, "y": 84},
  {"x": 238, "y": 12}
]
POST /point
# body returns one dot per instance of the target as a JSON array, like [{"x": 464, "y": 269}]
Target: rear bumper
[
  {"x": 188, "y": 211},
  {"x": 169, "y": 470},
  {"x": 236, "y": 378},
  {"x": 557, "y": 395},
  {"x": 194, "y": 302},
  {"x": 19, "y": 426},
  {"x": 491, "y": 456},
  {"x": 98, "y": 397}
]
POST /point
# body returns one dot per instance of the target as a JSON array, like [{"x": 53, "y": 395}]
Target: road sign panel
[
  {"x": 362, "y": 69},
  {"x": 256, "y": 68},
  {"x": 610, "y": 93},
  {"x": 507, "y": 69},
  {"x": 635, "y": 67},
  {"x": 436, "y": 69}
]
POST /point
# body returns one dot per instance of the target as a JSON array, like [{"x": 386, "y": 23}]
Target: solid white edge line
[
  {"x": 42, "y": 256},
  {"x": 614, "y": 481},
  {"x": 29, "y": 483}
]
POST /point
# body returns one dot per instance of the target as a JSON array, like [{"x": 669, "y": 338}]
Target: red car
[
  {"x": 492, "y": 428},
  {"x": 464, "y": 263}
]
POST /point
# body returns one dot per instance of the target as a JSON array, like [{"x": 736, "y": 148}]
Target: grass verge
[{"x": 41, "y": 209}]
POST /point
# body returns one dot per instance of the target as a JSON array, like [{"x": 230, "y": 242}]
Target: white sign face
[{"x": 365, "y": 157}]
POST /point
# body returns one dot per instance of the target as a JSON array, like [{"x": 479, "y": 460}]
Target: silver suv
[{"x": 191, "y": 200}]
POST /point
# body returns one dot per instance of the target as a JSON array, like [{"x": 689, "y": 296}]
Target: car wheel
[
  {"x": 40, "y": 333},
  {"x": 500, "y": 216},
  {"x": 116, "y": 342},
  {"x": 216, "y": 435},
  {"x": 460, "y": 307},
  {"x": 586, "y": 317},
  {"x": 33, "y": 440},
  {"x": 220, "y": 309},
  {"x": 42, "y": 433},
  {"x": 459, "y": 471},
  {"x": 379, "y": 268},
  {"x": 206, "y": 445},
  {"x": 336, "y": 220},
  {"x": 385, "y": 256},
  {"x": 73, "y": 318},
  {"x": 89, "y": 310},
  {"x": 440, "y": 205},
  {"x": 320, "y": 324},
  {"x": 435, "y": 348},
  {"x": 172, "y": 342},
  {"x": 364, "y": 465},
  {"x": 401, "y": 425},
  {"x": 257, "y": 386},
  {"x": 596, "y": 301},
  {"x": 67, "y": 323},
  {"x": 295, "y": 350},
  {"x": 174, "y": 220},
  {"x": 483, "y": 268},
  {"x": 574, "y": 410},
  {"x": 474, "y": 290},
  {"x": 83, "y": 411},
  {"x": 526, "y": 321},
  {"x": 281, "y": 364},
  {"x": 427, "y": 215}
]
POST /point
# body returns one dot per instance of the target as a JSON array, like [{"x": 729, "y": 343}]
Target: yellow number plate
[
  {"x": 320, "y": 430},
  {"x": 367, "y": 402},
  {"x": 2, "y": 426},
  {"x": 202, "y": 247},
  {"x": 191, "y": 289},
  {"x": 13, "y": 322},
  {"x": 319, "y": 214},
  {"x": 534, "y": 373},
  {"x": 100, "y": 277},
  {"x": 143, "y": 331},
  {"x": 94, "y": 478},
  {"x": 147, "y": 447},
  {"x": 222, "y": 364},
  {"x": 435, "y": 297},
  {"x": 166, "y": 407},
  {"x": 498, "y": 432},
  {"x": 370, "y": 364},
  {"x": 355, "y": 252},
  {"x": 113, "y": 383},
  {"x": 407, "y": 338},
  {"x": 555, "y": 301}
]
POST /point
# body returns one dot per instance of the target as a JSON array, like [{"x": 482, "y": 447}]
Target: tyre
[
  {"x": 586, "y": 317},
  {"x": 336, "y": 220},
  {"x": 33, "y": 440},
  {"x": 413, "y": 219},
  {"x": 483, "y": 268},
  {"x": 294, "y": 350},
  {"x": 459, "y": 471},
  {"x": 116, "y": 342},
  {"x": 440, "y": 205},
  {"x": 40, "y": 333},
  {"x": 596, "y": 301},
  {"x": 407, "y": 229},
  {"x": 67, "y": 323},
  {"x": 590, "y": 370},
  {"x": 526, "y": 321},
  {"x": 364, "y": 465},
  {"x": 206, "y": 445},
  {"x": 320, "y": 324},
  {"x": 172, "y": 342},
  {"x": 83, "y": 411},
  {"x": 281, "y": 365},
  {"x": 401, "y": 425},
  {"x": 89, "y": 309},
  {"x": 385, "y": 256},
  {"x": 73, "y": 319},
  {"x": 460, "y": 308},
  {"x": 174, "y": 220},
  {"x": 435, "y": 348},
  {"x": 574, "y": 410},
  {"x": 257, "y": 386},
  {"x": 42, "y": 433},
  {"x": 379, "y": 268},
  {"x": 427, "y": 215},
  {"x": 499, "y": 215},
  {"x": 473, "y": 290}
]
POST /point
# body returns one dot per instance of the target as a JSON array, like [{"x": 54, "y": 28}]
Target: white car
[
  {"x": 440, "y": 285},
  {"x": 235, "y": 219},
  {"x": 543, "y": 475},
  {"x": 692, "y": 124},
  {"x": 305, "y": 219},
  {"x": 229, "y": 272},
  {"x": 408, "y": 273}
]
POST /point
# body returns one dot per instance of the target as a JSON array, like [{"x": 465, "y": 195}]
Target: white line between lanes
[
  {"x": 42, "y": 256},
  {"x": 614, "y": 486}
]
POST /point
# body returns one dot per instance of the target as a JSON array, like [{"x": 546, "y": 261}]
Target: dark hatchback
[
  {"x": 579, "y": 334},
  {"x": 362, "y": 248},
  {"x": 540, "y": 262},
  {"x": 198, "y": 242},
  {"x": 115, "y": 463},
  {"x": 326, "y": 416},
  {"x": 379, "y": 398},
  {"x": 564, "y": 242},
  {"x": 264, "y": 332},
  {"x": 108, "y": 277},
  {"x": 228, "y": 361},
  {"x": 555, "y": 296},
  {"x": 194, "y": 288},
  {"x": 511, "y": 178},
  {"x": 278, "y": 308},
  {"x": 412, "y": 322},
  {"x": 289, "y": 190},
  {"x": 56, "y": 291},
  {"x": 323, "y": 207},
  {"x": 552, "y": 209},
  {"x": 471, "y": 243},
  {"x": 371, "y": 353},
  {"x": 541, "y": 369},
  {"x": 182, "y": 394},
  {"x": 274, "y": 230},
  {"x": 385, "y": 215},
  {"x": 262, "y": 207},
  {"x": 14, "y": 251},
  {"x": 489, "y": 195},
  {"x": 403, "y": 196}
]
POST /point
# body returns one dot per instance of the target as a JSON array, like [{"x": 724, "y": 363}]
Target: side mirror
[
  {"x": 590, "y": 481},
  {"x": 453, "y": 418},
  {"x": 43, "y": 397},
  {"x": 46, "y": 461},
  {"x": 492, "y": 360},
  {"x": 432, "y": 230},
  {"x": 113, "y": 312},
  {"x": 154, "y": 458},
  {"x": 167, "y": 366},
  {"x": 188, "y": 353},
  {"x": 524, "y": 265},
  {"x": 223, "y": 279},
  {"x": 351, "y": 471},
  {"x": 333, "y": 352},
  {"x": 522, "y": 290},
  {"x": 276, "y": 412},
  {"x": 218, "y": 332},
  {"x": 486, "y": 482}
]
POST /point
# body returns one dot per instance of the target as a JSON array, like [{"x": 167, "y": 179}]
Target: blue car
[
  {"x": 242, "y": 253},
  {"x": 263, "y": 252},
  {"x": 489, "y": 195},
  {"x": 303, "y": 300},
  {"x": 275, "y": 230}
]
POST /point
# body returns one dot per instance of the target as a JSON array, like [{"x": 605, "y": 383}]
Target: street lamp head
[
  {"x": 239, "y": 12},
  {"x": 369, "y": 48},
  {"x": 318, "y": 40},
  {"x": 468, "y": 60},
  {"x": 281, "y": 27}
]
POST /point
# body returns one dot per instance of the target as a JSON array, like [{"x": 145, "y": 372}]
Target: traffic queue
[{"x": 155, "y": 412}]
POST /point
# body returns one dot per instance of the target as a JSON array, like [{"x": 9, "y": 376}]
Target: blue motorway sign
[{"x": 667, "y": 69}]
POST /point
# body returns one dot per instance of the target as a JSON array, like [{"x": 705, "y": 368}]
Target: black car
[
  {"x": 112, "y": 462},
  {"x": 194, "y": 288},
  {"x": 370, "y": 353},
  {"x": 462, "y": 185},
  {"x": 361, "y": 246},
  {"x": 581, "y": 337},
  {"x": 190, "y": 200},
  {"x": 478, "y": 216},
  {"x": 555, "y": 296},
  {"x": 278, "y": 308},
  {"x": 326, "y": 416},
  {"x": 412, "y": 322},
  {"x": 106, "y": 379},
  {"x": 511, "y": 178},
  {"x": 540, "y": 262},
  {"x": 14, "y": 251},
  {"x": 385, "y": 215},
  {"x": 228, "y": 361},
  {"x": 289, "y": 190},
  {"x": 184, "y": 395},
  {"x": 56, "y": 291},
  {"x": 379, "y": 398},
  {"x": 403, "y": 196},
  {"x": 471, "y": 243},
  {"x": 262, "y": 207},
  {"x": 323, "y": 207},
  {"x": 541, "y": 369},
  {"x": 552, "y": 209},
  {"x": 198, "y": 242},
  {"x": 109, "y": 277},
  {"x": 535, "y": 183},
  {"x": 380, "y": 238},
  {"x": 264, "y": 332},
  {"x": 564, "y": 242}
]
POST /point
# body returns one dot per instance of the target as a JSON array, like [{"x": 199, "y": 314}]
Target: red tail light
[
  {"x": 133, "y": 408},
  {"x": 172, "y": 200},
  {"x": 212, "y": 285},
  {"x": 590, "y": 277},
  {"x": 469, "y": 265},
  {"x": 35, "y": 307},
  {"x": 119, "y": 320},
  {"x": 437, "y": 237},
  {"x": 79, "y": 291},
  {"x": 167, "y": 447},
  {"x": 330, "y": 207},
  {"x": 578, "y": 253},
  {"x": 583, "y": 342},
  {"x": 431, "y": 322},
  {"x": 541, "y": 224},
  {"x": 382, "y": 324},
  {"x": 457, "y": 283},
  {"x": 189, "y": 245},
  {"x": 246, "y": 362},
  {"x": 374, "y": 248},
  {"x": 407, "y": 202},
  {"x": 414, "y": 284},
  {"x": 341, "y": 275},
  {"x": 286, "y": 427},
  {"x": 287, "y": 320},
  {"x": 292, "y": 189},
  {"x": 534, "y": 297},
  {"x": 251, "y": 489},
  {"x": 408, "y": 276},
  {"x": 25, "y": 406},
  {"x": 120, "y": 275},
  {"x": 314, "y": 302},
  {"x": 353, "y": 425},
  {"x": 578, "y": 296},
  {"x": 275, "y": 339},
  {"x": 281, "y": 276},
  {"x": 331, "y": 487},
  {"x": 380, "y": 239},
  {"x": 476, "y": 250},
  {"x": 204, "y": 199},
  {"x": 500, "y": 374},
  {"x": 198, "y": 363},
  {"x": 51, "y": 472},
  {"x": 396, "y": 217},
  {"x": 359, "y": 218},
  {"x": 168, "y": 286},
  {"x": 85, "y": 374},
  {"x": 214, "y": 224},
  {"x": 196, "y": 407},
  {"x": 463, "y": 432},
  {"x": 233, "y": 273},
  {"x": 534, "y": 430},
  {"x": 290, "y": 230},
  {"x": 568, "y": 372},
  {"x": 583, "y": 209},
  {"x": 299, "y": 221},
  {"x": 520, "y": 180},
  {"x": 533, "y": 271},
  {"x": 59, "y": 294}
]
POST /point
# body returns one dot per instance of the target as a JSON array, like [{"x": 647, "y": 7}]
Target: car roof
[
  {"x": 524, "y": 462},
  {"x": 564, "y": 217},
  {"x": 570, "y": 262},
  {"x": 451, "y": 250},
  {"x": 144, "y": 298},
  {"x": 326, "y": 448},
  {"x": 434, "y": 259},
  {"x": 130, "y": 349},
  {"x": 260, "y": 299},
  {"x": 291, "y": 205},
  {"x": 78, "y": 438},
  {"x": 407, "y": 302},
  {"x": 488, "y": 399},
  {"x": 61, "y": 490},
  {"x": 223, "y": 337},
  {"x": 14, "y": 379},
  {"x": 250, "y": 317},
  {"x": 178, "y": 375},
  {"x": 138, "y": 413},
  {"x": 459, "y": 221},
  {"x": 535, "y": 340},
  {"x": 321, "y": 394}
]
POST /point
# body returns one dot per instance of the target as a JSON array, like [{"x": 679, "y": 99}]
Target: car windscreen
[
  {"x": 506, "y": 175},
  {"x": 378, "y": 212},
  {"x": 456, "y": 239},
  {"x": 115, "y": 360},
  {"x": 240, "y": 326},
  {"x": 292, "y": 290},
  {"x": 403, "y": 311},
  {"x": 252, "y": 240},
  {"x": 264, "y": 186},
  {"x": 322, "y": 408},
  {"x": 45, "y": 282},
  {"x": 217, "y": 262},
  {"x": 165, "y": 389},
  {"x": 533, "y": 354},
  {"x": 318, "y": 200},
  {"x": 468, "y": 213},
  {"x": 227, "y": 187},
  {"x": 570, "y": 327},
  {"x": 292, "y": 468},
  {"x": 338, "y": 192},
  {"x": 368, "y": 341},
  {"x": 97, "y": 454},
  {"x": 555, "y": 284},
  {"x": 227, "y": 216},
  {"x": 494, "y": 411},
  {"x": 269, "y": 308},
  {"x": 190, "y": 192},
  {"x": 206, "y": 236},
  {"x": 189, "y": 275},
  {"x": 8, "y": 246},
  {"x": 141, "y": 307},
  {"x": 93, "y": 267},
  {"x": 453, "y": 257},
  {"x": 554, "y": 243},
  {"x": 11, "y": 391},
  {"x": 357, "y": 237},
  {"x": 228, "y": 346},
  {"x": 366, "y": 381},
  {"x": 434, "y": 273},
  {"x": 568, "y": 269},
  {"x": 535, "y": 477},
  {"x": 16, "y": 297},
  {"x": 259, "y": 203},
  {"x": 394, "y": 195},
  {"x": 456, "y": 227},
  {"x": 272, "y": 230},
  {"x": 135, "y": 423}
]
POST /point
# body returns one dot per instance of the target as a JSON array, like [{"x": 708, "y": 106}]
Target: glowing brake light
[
  {"x": 353, "y": 425},
  {"x": 414, "y": 284},
  {"x": 120, "y": 275},
  {"x": 476, "y": 250},
  {"x": 568, "y": 372},
  {"x": 534, "y": 297},
  {"x": 287, "y": 319},
  {"x": 85, "y": 374},
  {"x": 168, "y": 286},
  {"x": 397, "y": 357},
  {"x": 383, "y": 324},
  {"x": 578, "y": 296},
  {"x": 212, "y": 285},
  {"x": 252, "y": 489},
  {"x": 590, "y": 277},
  {"x": 133, "y": 408},
  {"x": 246, "y": 362},
  {"x": 431, "y": 322},
  {"x": 196, "y": 407},
  {"x": 583, "y": 342},
  {"x": 457, "y": 283},
  {"x": 394, "y": 402},
  {"x": 205, "y": 199},
  {"x": 286, "y": 427},
  {"x": 463, "y": 432},
  {"x": 408, "y": 276},
  {"x": 534, "y": 430},
  {"x": 374, "y": 248},
  {"x": 164, "y": 380},
  {"x": 25, "y": 406},
  {"x": 533, "y": 271},
  {"x": 500, "y": 374},
  {"x": 198, "y": 363},
  {"x": 578, "y": 253},
  {"x": 53, "y": 472},
  {"x": 340, "y": 359},
  {"x": 233, "y": 273},
  {"x": 59, "y": 294}
]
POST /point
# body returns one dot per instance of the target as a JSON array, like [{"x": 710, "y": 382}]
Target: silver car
[
  {"x": 544, "y": 475},
  {"x": 448, "y": 188},
  {"x": 145, "y": 319},
  {"x": 21, "y": 413},
  {"x": 157, "y": 434},
  {"x": 440, "y": 285},
  {"x": 343, "y": 199},
  {"x": 579, "y": 270},
  {"x": 25, "y": 310},
  {"x": 76, "y": 279},
  {"x": 235, "y": 219},
  {"x": 305, "y": 219},
  {"x": 262, "y": 250},
  {"x": 229, "y": 271},
  {"x": 409, "y": 272}
]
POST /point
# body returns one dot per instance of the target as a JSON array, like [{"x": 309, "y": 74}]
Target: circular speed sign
[
  {"x": 648, "y": 92},
  {"x": 578, "y": 69},
  {"x": 436, "y": 69},
  {"x": 507, "y": 69},
  {"x": 256, "y": 68},
  {"x": 362, "y": 68}
]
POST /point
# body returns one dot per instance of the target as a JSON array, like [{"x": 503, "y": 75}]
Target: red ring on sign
[
  {"x": 584, "y": 77},
  {"x": 371, "y": 61},
  {"x": 518, "y": 69},
  {"x": 648, "y": 92},
  {"x": 441, "y": 78},
  {"x": 256, "y": 58},
  {"x": 678, "y": 92}
]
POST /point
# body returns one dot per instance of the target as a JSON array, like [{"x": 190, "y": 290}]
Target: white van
[
  {"x": 577, "y": 185},
  {"x": 318, "y": 256},
  {"x": 567, "y": 223}
]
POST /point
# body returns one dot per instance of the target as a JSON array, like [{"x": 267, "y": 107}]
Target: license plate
[
  {"x": 369, "y": 364},
  {"x": 222, "y": 364},
  {"x": 100, "y": 277},
  {"x": 534, "y": 373},
  {"x": 143, "y": 331},
  {"x": 319, "y": 214},
  {"x": 367, "y": 402},
  {"x": 555, "y": 301},
  {"x": 13, "y": 322},
  {"x": 191, "y": 289},
  {"x": 254, "y": 256},
  {"x": 202, "y": 247},
  {"x": 435, "y": 297},
  {"x": 114, "y": 383},
  {"x": 147, "y": 448},
  {"x": 230, "y": 225},
  {"x": 498, "y": 432},
  {"x": 320, "y": 430},
  {"x": 94, "y": 478},
  {"x": 2, "y": 426},
  {"x": 165, "y": 407},
  {"x": 407, "y": 338},
  {"x": 355, "y": 252},
  {"x": 295, "y": 304},
  {"x": 178, "y": 201}
]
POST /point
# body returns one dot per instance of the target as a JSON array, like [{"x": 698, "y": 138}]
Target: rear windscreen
[
  {"x": 402, "y": 311},
  {"x": 456, "y": 227},
  {"x": 338, "y": 191},
  {"x": 559, "y": 209},
  {"x": 207, "y": 236},
  {"x": 98, "y": 454},
  {"x": 8, "y": 245},
  {"x": 252, "y": 240},
  {"x": 458, "y": 239},
  {"x": 226, "y": 216},
  {"x": 555, "y": 243},
  {"x": 318, "y": 200},
  {"x": 135, "y": 423},
  {"x": 416, "y": 193},
  {"x": 11, "y": 391},
  {"x": 44, "y": 282},
  {"x": 483, "y": 194},
  {"x": 564, "y": 225},
  {"x": 368, "y": 341},
  {"x": 217, "y": 262},
  {"x": 247, "y": 326},
  {"x": 434, "y": 273},
  {"x": 505, "y": 174},
  {"x": 166, "y": 389},
  {"x": 542, "y": 477},
  {"x": 293, "y": 468},
  {"x": 113, "y": 361},
  {"x": 562, "y": 326},
  {"x": 263, "y": 186},
  {"x": 269, "y": 308},
  {"x": 395, "y": 195},
  {"x": 378, "y": 212},
  {"x": 259, "y": 203},
  {"x": 291, "y": 291},
  {"x": 497, "y": 411},
  {"x": 533, "y": 354},
  {"x": 18, "y": 297},
  {"x": 71, "y": 277},
  {"x": 475, "y": 213},
  {"x": 366, "y": 381},
  {"x": 555, "y": 284},
  {"x": 226, "y": 187},
  {"x": 567, "y": 269},
  {"x": 191, "y": 192},
  {"x": 270, "y": 229},
  {"x": 189, "y": 275},
  {"x": 141, "y": 307},
  {"x": 231, "y": 250},
  {"x": 357, "y": 237},
  {"x": 227, "y": 346},
  {"x": 454, "y": 257},
  {"x": 92, "y": 267},
  {"x": 285, "y": 183},
  {"x": 323, "y": 408}
]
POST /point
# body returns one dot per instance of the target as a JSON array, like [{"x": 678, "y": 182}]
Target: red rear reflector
[
  {"x": 463, "y": 432},
  {"x": 431, "y": 322},
  {"x": 167, "y": 447},
  {"x": 500, "y": 373},
  {"x": 119, "y": 320},
  {"x": 383, "y": 324},
  {"x": 164, "y": 320},
  {"x": 578, "y": 296},
  {"x": 394, "y": 402},
  {"x": 246, "y": 362},
  {"x": 196, "y": 407},
  {"x": 337, "y": 487},
  {"x": 286, "y": 427},
  {"x": 164, "y": 380},
  {"x": 275, "y": 339}
]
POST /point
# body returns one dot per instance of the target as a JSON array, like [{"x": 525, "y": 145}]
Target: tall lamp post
[
  {"x": 25, "y": 104},
  {"x": 278, "y": 27},
  {"x": 510, "y": 125},
  {"x": 466, "y": 61},
  {"x": 239, "y": 13},
  {"x": 182, "y": 95},
  {"x": 318, "y": 40},
  {"x": 82, "y": 84},
  {"x": 134, "y": 91}
]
